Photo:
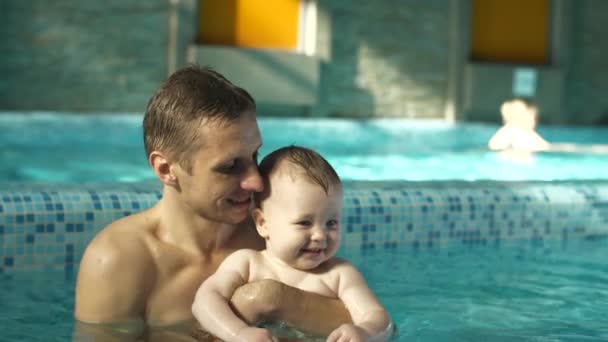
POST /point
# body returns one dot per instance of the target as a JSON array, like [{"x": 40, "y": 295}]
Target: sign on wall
[{"x": 524, "y": 82}]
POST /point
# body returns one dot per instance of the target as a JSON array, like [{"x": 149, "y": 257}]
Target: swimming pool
[
  {"x": 59, "y": 147},
  {"x": 517, "y": 293},
  {"x": 453, "y": 260}
]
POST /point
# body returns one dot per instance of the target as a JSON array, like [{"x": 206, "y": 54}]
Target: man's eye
[{"x": 229, "y": 167}]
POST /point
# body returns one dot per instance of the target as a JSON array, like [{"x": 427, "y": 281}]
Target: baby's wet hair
[{"x": 307, "y": 162}]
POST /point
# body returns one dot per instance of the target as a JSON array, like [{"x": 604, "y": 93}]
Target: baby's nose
[{"x": 319, "y": 234}]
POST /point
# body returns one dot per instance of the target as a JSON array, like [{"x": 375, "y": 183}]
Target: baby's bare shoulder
[
  {"x": 245, "y": 253},
  {"x": 337, "y": 266},
  {"x": 245, "y": 257}
]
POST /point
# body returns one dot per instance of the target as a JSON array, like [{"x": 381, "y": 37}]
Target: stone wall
[
  {"x": 587, "y": 70},
  {"x": 387, "y": 58},
  {"x": 382, "y": 58},
  {"x": 80, "y": 56},
  {"x": 71, "y": 55}
]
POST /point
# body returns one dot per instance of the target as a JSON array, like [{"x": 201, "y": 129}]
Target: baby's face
[{"x": 301, "y": 221}]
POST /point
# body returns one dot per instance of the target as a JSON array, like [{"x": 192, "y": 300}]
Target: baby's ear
[{"x": 260, "y": 224}]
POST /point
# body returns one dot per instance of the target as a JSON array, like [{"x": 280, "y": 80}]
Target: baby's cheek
[{"x": 335, "y": 237}]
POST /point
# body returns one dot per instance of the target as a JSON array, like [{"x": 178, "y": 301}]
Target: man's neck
[{"x": 182, "y": 227}]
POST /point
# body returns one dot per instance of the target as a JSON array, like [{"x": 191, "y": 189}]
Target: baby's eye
[
  {"x": 304, "y": 223},
  {"x": 332, "y": 223}
]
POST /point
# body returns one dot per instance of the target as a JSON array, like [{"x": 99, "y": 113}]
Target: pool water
[
  {"x": 520, "y": 292},
  {"x": 514, "y": 295},
  {"x": 55, "y": 147}
]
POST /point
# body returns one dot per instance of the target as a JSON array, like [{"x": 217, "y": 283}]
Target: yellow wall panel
[
  {"x": 511, "y": 31},
  {"x": 216, "y": 22},
  {"x": 249, "y": 23}
]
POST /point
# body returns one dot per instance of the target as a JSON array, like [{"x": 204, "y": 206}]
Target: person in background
[
  {"x": 298, "y": 215},
  {"x": 139, "y": 275},
  {"x": 518, "y": 139},
  {"x": 518, "y": 132}
]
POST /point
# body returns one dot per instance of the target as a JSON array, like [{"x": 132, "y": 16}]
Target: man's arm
[
  {"x": 273, "y": 300},
  {"x": 111, "y": 288}
]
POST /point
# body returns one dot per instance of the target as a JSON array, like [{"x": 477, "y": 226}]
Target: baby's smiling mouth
[{"x": 313, "y": 250}]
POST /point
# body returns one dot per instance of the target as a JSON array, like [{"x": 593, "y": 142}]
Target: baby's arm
[
  {"x": 371, "y": 321},
  {"x": 211, "y": 303}
]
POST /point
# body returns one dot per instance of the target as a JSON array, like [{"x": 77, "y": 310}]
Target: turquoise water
[
  {"x": 46, "y": 147},
  {"x": 478, "y": 293}
]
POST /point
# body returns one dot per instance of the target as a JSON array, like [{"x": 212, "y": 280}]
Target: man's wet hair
[
  {"x": 187, "y": 98},
  {"x": 305, "y": 162}
]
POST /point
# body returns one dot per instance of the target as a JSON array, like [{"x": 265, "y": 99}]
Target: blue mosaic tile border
[{"x": 47, "y": 227}]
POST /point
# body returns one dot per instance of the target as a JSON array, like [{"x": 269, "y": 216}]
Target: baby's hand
[
  {"x": 348, "y": 333},
  {"x": 254, "y": 334}
]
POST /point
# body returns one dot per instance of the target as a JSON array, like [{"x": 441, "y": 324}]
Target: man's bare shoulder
[
  {"x": 120, "y": 251},
  {"x": 115, "y": 271},
  {"x": 123, "y": 238}
]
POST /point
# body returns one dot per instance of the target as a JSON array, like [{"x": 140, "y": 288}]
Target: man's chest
[{"x": 174, "y": 288}]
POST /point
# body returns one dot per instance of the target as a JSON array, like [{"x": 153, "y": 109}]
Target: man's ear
[
  {"x": 162, "y": 168},
  {"x": 260, "y": 224}
]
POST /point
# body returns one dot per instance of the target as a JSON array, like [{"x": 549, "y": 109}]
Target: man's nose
[{"x": 252, "y": 181}]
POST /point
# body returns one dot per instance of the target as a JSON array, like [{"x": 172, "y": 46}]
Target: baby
[
  {"x": 518, "y": 132},
  {"x": 298, "y": 214}
]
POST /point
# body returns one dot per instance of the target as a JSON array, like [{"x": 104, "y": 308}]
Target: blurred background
[
  {"x": 454, "y": 60},
  {"x": 471, "y": 244}
]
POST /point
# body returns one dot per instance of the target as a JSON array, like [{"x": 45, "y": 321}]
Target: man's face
[{"x": 224, "y": 171}]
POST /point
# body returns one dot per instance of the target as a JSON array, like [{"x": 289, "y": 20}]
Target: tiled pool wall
[{"x": 47, "y": 227}]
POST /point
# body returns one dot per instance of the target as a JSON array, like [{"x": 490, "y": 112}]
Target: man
[{"x": 142, "y": 271}]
